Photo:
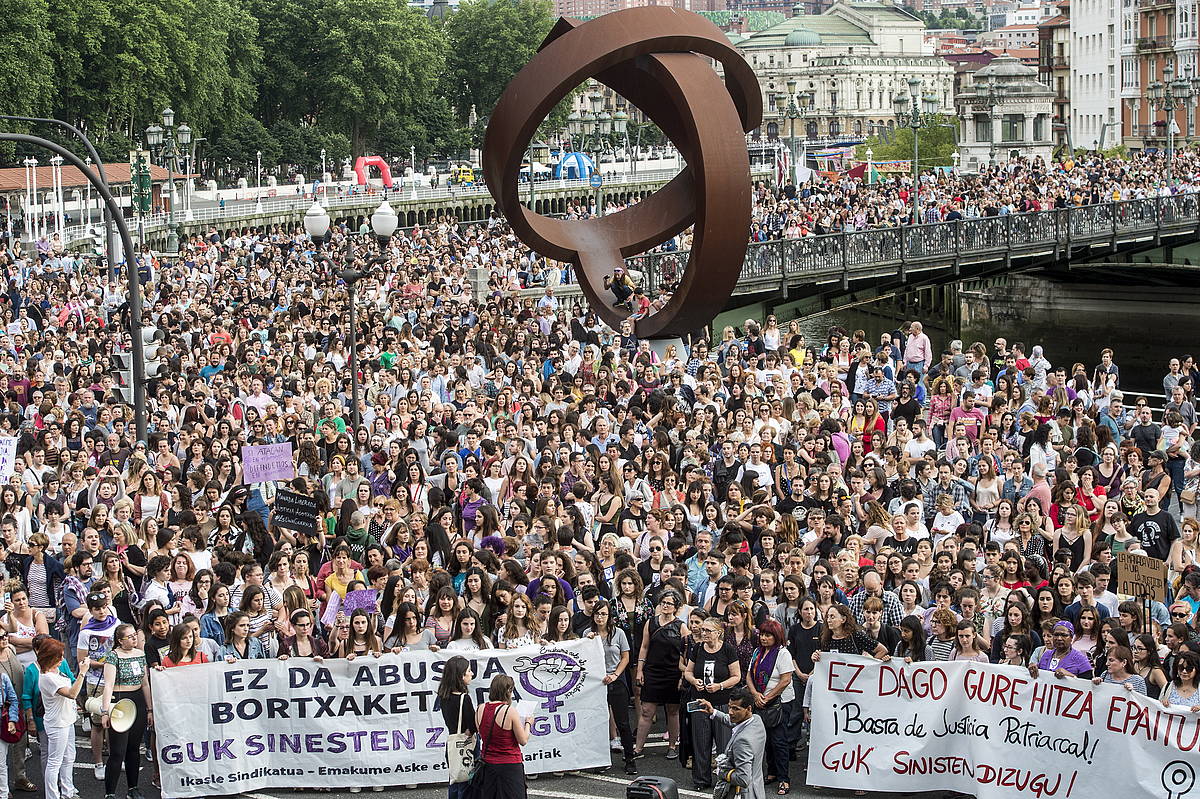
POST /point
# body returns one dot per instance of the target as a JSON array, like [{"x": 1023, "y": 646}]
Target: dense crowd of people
[
  {"x": 1019, "y": 185},
  {"x": 718, "y": 514}
]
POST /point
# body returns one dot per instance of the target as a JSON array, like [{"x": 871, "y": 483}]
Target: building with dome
[
  {"x": 847, "y": 64},
  {"x": 1005, "y": 111}
]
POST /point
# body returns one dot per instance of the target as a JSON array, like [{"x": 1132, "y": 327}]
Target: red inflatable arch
[{"x": 364, "y": 161}]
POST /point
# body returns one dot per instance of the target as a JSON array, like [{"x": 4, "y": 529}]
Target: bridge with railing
[{"x": 836, "y": 265}]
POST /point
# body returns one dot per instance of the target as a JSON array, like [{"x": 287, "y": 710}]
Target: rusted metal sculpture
[{"x": 656, "y": 58}]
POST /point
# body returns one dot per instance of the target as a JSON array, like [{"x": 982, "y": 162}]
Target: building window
[
  {"x": 1039, "y": 127},
  {"x": 983, "y": 128},
  {"x": 1012, "y": 127}
]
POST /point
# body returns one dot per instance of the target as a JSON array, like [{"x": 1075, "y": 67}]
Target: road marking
[
  {"x": 619, "y": 781},
  {"x": 560, "y": 795}
]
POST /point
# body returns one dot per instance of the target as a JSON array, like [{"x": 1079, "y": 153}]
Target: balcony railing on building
[{"x": 1145, "y": 43}]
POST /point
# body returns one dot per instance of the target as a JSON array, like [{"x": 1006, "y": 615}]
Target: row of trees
[{"x": 284, "y": 77}]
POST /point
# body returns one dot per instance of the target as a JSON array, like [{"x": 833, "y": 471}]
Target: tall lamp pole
[
  {"x": 620, "y": 122},
  {"x": 915, "y": 110},
  {"x": 793, "y": 106},
  {"x": 1167, "y": 95},
  {"x": 383, "y": 223},
  {"x": 171, "y": 143}
]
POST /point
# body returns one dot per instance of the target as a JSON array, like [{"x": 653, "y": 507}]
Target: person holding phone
[
  {"x": 712, "y": 670},
  {"x": 741, "y": 763}
]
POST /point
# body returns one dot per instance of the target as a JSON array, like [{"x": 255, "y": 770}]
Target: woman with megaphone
[{"x": 127, "y": 681}]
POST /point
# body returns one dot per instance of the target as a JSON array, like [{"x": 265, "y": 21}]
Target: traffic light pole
[{"x": 135, "y": 287}]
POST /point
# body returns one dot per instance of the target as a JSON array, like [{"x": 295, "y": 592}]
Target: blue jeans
[
  {"x": 1175, "y": 468},
  {"x": 459, "y": 790}
]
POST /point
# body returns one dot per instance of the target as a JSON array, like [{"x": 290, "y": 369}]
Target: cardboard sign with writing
[
  {"x": 1141, "y": 575},
  {"x": 294, "y": 511},
  {"x": 8, "y": 456},
  {"x": 267, "y": 462}
]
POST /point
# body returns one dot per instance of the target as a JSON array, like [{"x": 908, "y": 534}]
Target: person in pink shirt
[
  {"x": 918, "y": 351},
  {"x": 973, "y": 418}
]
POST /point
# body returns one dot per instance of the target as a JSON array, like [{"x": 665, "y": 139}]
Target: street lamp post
[
  {"x": 1167, "y": 95},
  {"x": 171, "y": 143},
  {"x": 915, "y": 110},
  {"x": 56, "y": 190},
  {"x": 324, "y": 173},
  {"x": 793, "y": 106},
  {"x": 620, "y": 123},
  {"x": 189, "y": 183},
  {"x": 991, "y": 97},
  {"x": 87, "y": 203},
  {"x": 383, "y": 223},
  {"x": 870, "y": 162},
  {"x": 31, "y": 232},
  {"x": 142, "y": 192}
]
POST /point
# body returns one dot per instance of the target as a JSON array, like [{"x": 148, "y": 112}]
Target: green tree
[
  {"x": 240, "y": 141},
  {"x": 26, "y": 71},
  {"x": 372, "y": 60},
  {"x": 937, "y": 144},
  {"x": 285, "y": 30},
  {"x": 489, "y": 42},
  {"x": 118, "y": 63}
]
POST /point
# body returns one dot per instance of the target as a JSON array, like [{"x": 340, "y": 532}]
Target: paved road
[{"x": 572, "y": 785}]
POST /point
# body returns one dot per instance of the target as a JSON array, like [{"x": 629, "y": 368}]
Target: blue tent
[{"x": 574, "y": 166}]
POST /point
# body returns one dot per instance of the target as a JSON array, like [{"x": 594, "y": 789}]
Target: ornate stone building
[{"x": 1005, "y": 111}]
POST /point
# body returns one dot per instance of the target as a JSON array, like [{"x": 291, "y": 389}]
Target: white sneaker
[
  {"x": 377, "y": 789},
  {"x": 98, "y": 769},
  {"x": 355, "y": 790},
  {"x": 615, "y": 745}
]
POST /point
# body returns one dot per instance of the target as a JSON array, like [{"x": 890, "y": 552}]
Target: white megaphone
[{"x": 122, "y": 715}]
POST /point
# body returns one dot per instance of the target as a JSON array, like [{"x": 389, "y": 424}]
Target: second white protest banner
[
  {"x": 256, "y": 724},
  {"x": 993, "y": 732}
]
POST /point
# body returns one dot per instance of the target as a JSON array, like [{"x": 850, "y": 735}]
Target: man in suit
[{"x": 741, "y": 763}]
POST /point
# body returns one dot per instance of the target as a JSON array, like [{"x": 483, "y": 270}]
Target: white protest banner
[
  {"x": 993, "y": 732},
  {"x": 226, "y": 728},
  {"x": 8, "y": 456},
  {"x": 267, "y": 462}
]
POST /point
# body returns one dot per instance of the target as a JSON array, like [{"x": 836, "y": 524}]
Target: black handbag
[{"x": 772, "y": 713}]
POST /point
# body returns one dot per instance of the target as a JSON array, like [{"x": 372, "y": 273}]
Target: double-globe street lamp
[
  {"x": 915, "y": 110},
  {"x": 383, "y": 224},
  {"x": 793, "y": 106},
  {"x": 171, "y": 143},
  {"x": 1167, "y": 95}
]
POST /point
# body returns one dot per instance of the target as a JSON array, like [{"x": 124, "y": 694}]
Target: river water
[{"x": 1144, "y": 325}]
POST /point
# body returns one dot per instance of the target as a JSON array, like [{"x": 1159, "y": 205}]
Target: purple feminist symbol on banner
[{"x": 550, "y": 675}]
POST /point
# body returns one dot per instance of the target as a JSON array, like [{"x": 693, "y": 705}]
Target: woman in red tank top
[{"x": 502, "y": 733}]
